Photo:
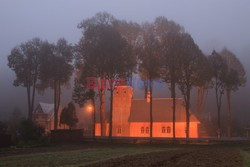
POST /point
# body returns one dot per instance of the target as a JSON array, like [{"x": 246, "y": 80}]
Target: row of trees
[
  {"x": 39, "y": 65},
  {"x": 110, "y": 49}
]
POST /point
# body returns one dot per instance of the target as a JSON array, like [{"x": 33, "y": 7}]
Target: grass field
[
  {"x": 80, "y": 157},
  {"x": 245, "y": 152},
  {"x": 105, "y": 154}
]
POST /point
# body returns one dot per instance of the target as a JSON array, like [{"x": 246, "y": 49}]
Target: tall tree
[
  {"x": 90, "y": 51},
  {"x": 189, "y": 72},
  {"x": 24, "y": 60},
  {"x": 56, "y": 70},
  {"x": 235, "y": 78},
  {"x": 117, "y": 59},
  {"x": 170, "y": 37},
  {"x": 219, "y": 70},
  {"x": 149, "y": 62},
  {"x": 103, "y": 47}
]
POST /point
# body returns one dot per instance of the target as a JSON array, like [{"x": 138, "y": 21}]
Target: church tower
[{"x": 122, "y": 100}]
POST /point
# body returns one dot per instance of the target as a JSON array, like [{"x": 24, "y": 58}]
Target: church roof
[{"x": 162, "y": 111}]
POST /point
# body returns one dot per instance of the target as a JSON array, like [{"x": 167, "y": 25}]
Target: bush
[{"x": 30, "y": 132}]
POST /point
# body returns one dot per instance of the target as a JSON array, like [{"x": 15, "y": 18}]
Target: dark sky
[{"x": 213, "y": 24}]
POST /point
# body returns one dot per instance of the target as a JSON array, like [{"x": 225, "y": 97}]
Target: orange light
[{"x": 90, "y": 108}]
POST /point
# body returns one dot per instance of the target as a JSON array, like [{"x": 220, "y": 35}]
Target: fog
[{"x": 213, "y": 25}]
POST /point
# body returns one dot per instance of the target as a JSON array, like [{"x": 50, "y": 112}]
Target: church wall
[
  {"x": 160, "y": 129},
  {"x": 98, "y": 129},
  {"x": 121, "y": 110},
  {"x": 139, "y": 129}
]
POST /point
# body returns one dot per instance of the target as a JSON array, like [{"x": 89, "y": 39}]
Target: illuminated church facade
[{"x": 131, "y": 117}]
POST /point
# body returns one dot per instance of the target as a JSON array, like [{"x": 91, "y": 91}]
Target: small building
[
  {"x": 44, "y": 116},
  {"x": 131, "y": 117}
]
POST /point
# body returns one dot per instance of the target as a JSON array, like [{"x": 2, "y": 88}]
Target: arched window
[
  {"x": 142, "y": 129},
  {"x": 168, "y": 129},
  {"x": 119, "y": 130},
  {"x": 147, "y": 129},
  {"x": 163, "y": 130}
]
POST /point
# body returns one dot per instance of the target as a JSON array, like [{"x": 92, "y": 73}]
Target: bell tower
[{"x": 122, "y": 100}]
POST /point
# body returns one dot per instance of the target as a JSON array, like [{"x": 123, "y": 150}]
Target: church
[{"x": 131, "y": 117}]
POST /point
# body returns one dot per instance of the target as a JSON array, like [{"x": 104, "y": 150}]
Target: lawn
[
  {"x": 245, "y": 152},
  {"x": 80, "y": 157},
  {"x": 114, "y": 154}
]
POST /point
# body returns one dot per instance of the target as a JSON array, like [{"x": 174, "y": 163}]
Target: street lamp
[{"x": 90, "y": 108}]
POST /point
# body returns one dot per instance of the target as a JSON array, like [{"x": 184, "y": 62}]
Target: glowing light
[{"x": 90, "y": 108}]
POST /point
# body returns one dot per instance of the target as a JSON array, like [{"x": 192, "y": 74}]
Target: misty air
[{"x": 124, "y": 83}]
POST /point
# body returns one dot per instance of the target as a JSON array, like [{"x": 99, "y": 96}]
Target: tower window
[
  {"x": 142, "y": 129},
  {"x": 163, "y": 130},
  {"x": 119, "y": 130},
  {"x": 147, "y": 129},
  {"x": 168, "y": 129}
]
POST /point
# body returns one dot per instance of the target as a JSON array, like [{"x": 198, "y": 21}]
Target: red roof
[{"x": 162, "y": 111}]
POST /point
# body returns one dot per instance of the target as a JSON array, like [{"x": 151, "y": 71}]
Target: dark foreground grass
[
  {"x": 107, "y": 153},
  {"x": 245, "y": 152},
  {"x": 78, "y": 157}
]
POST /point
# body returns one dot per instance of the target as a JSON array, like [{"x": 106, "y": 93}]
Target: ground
[{"x": 105, "y": 154}]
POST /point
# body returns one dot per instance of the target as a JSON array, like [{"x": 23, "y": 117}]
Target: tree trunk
[
  {"x": 229, "y": 114},
  {"x": 55, "y": 106},
  {"x": 57, "y": 94},
  {"x": 93, "y": 103},
  {"x": 187, "y": 113},
  {"x": 29, "y": 104},
  {"x": 102, "y": 111},
  {"x": 218, "y": 112},
  {"x": 151, "y": 111},
  {"x": 173, "y": 95},
  {"x": 33, "y": 100},
  {"x": 111, "y": 114},
  {"x": 33, "y": 95}
]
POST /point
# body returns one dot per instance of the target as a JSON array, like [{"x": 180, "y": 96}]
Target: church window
[
  {"x": 163, "y": 130},
  {"x": 142, "y": 129},
  {"x": 119, "y": 130},
  {"x": 147, "y": 129},
  {"x": 168, "y": 129}
]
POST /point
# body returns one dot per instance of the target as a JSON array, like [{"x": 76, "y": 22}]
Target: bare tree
[
  {"x": 219, "y": 70},
  {"x": 189, "y": 75},
  {"x": 90, "y": 50},
  {"x": 108, "y": 52},
  {"x": 56, "y": 70},
  {"x": 24, "y": 60},
  {"x": 235, "y": 78},
  {"x": 169, "y": 34},
  {"x": 149, "y": 62}
]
